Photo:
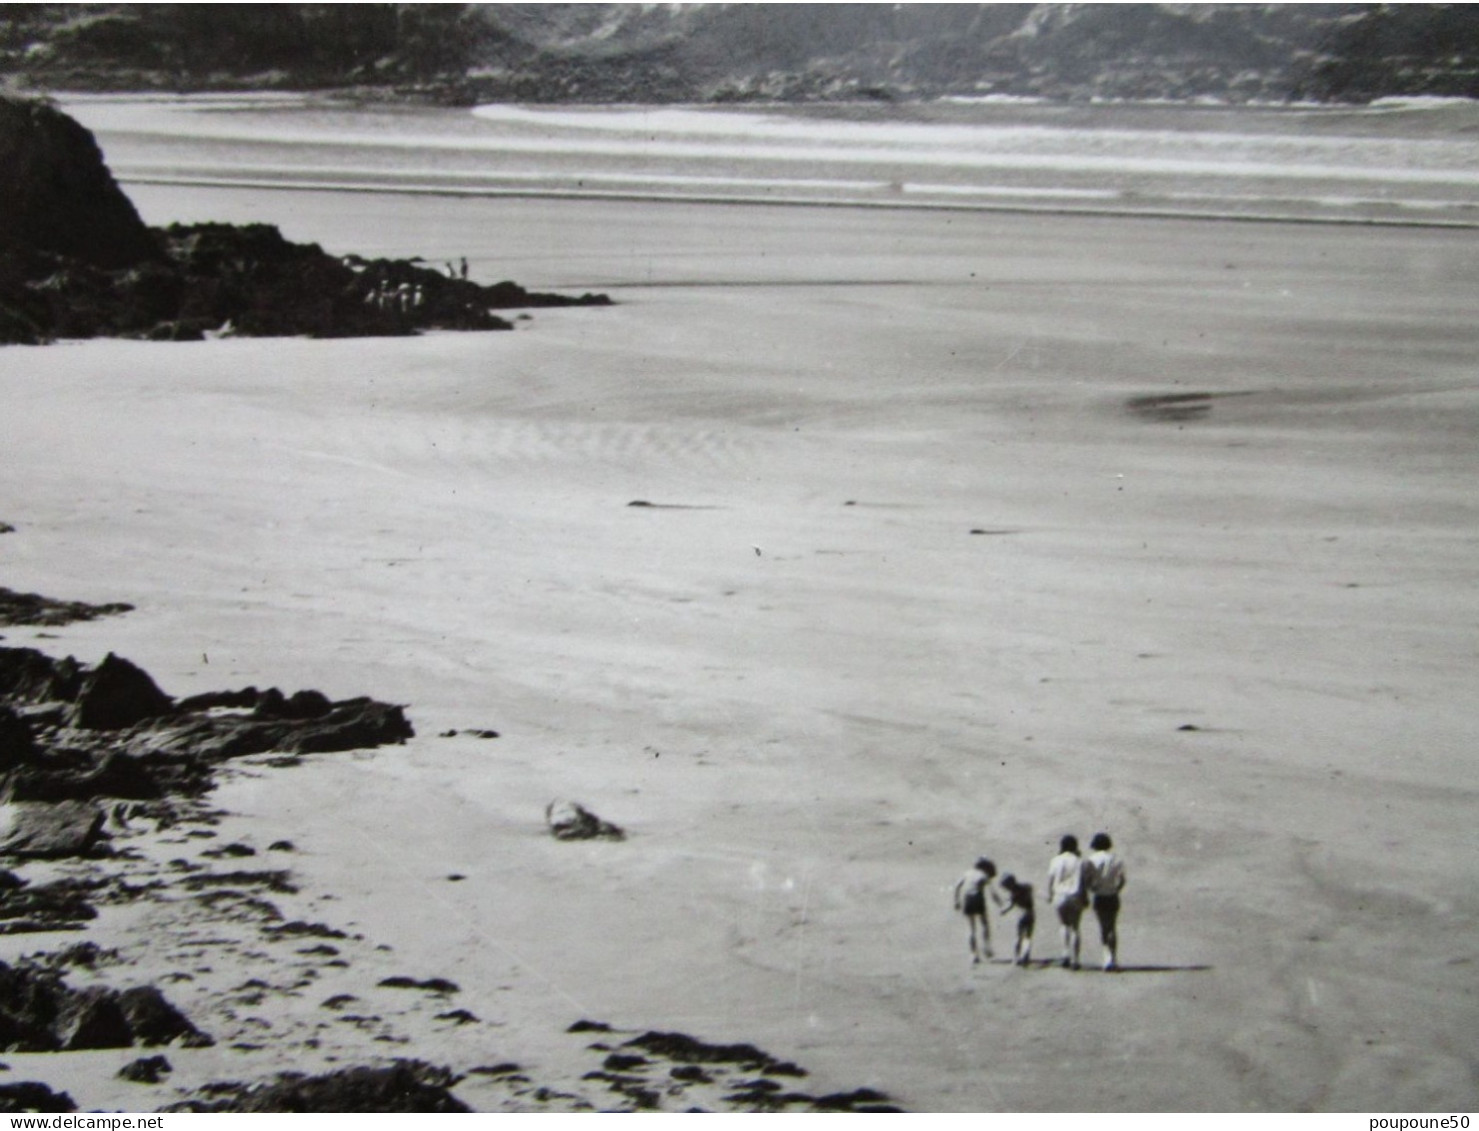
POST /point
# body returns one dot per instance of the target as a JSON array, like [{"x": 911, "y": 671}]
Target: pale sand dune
[{"x": 808, "y": 744}]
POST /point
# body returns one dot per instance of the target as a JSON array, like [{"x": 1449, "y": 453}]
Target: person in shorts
[
  {"x": 1067, "y": 894},
  {"x": 970, "y": 900},
  {"x": 1104, "y": 876},
  {"x": 1017, "y": 896}
]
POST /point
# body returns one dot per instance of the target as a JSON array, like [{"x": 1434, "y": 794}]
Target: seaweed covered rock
[
  {"x": 407, "y": 1086},
  {"x": 29, "y": 1095},
  {"x": 351, "y": 724},
  {"x": 40, "y": 1013},
  {"x": 34, "y": 609}
]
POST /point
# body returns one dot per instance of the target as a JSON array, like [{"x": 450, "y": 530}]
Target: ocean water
[{"x": 1393, "y": 162}]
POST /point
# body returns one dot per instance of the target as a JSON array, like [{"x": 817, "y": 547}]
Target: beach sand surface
[{"x": 924, "y": 576}]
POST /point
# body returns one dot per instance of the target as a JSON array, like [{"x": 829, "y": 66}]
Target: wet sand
[{"x": 1235, "y": 630}]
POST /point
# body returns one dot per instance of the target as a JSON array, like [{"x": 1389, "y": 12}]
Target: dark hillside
[{"x": 759, "y": 52}]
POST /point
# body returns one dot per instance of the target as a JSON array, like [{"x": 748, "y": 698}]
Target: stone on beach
[
  {"x": 47, "y": 830},
  {"x": 570, "y": 820}
]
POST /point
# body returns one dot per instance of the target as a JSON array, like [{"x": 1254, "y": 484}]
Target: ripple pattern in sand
[{"x": 615, "y": 444}]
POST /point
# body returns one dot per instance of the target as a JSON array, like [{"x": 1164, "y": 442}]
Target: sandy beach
[{"x": 965, "y": 531}]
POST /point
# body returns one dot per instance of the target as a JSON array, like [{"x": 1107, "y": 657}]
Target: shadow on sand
[{"x": 1057, "y": 964}]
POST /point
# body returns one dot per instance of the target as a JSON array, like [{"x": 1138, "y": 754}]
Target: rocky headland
[{"x": 77, "y": 261}]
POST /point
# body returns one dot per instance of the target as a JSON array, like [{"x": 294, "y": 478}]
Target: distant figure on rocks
[
  {"x": 1017, "y": 896},
  {"x": 970, "y": 899},
  {"x": 1066, "y": 893},
  {"x": 1104, "y": 877},
  {"x": 463, "y": 266}
]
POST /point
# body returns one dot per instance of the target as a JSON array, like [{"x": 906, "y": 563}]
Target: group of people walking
[{"x": 1075, "y": 883}]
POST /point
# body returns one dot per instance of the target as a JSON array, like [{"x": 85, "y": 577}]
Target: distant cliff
[
  {"x": 76, "y": 261},
  {"x": 754, "y": 52}
]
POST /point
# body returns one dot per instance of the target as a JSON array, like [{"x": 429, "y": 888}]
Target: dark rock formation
[
  {"x": 29, "y": 677},
  {"x": 40, "y": 1013},
  {"x": 58, "y": 906},
  {"x": 351, "y": 724},
  {"x": 146, "y": 1070},
  {"x": 117, "y": 694},
  {"x": 152, "y": 1020},
  {"x": 675, "y": 1071},
  {"x": 34, "y": 609},
  {"x": 407, "y": 1086},
  {"x": 72, "y": 733},
  {"x": 682, "y": 1047},
  {"x": 60, "y": 197},
  {"x": 31, "y": 1096},
  {"x": 77, "y": 741},
  {"x": 39, "y": 829},
  {"x": 430, "y": 985},
  {"x": 76, "y": 262},
  {"x": 569, "y": 820},
  {"x": 17, "y": 745}
]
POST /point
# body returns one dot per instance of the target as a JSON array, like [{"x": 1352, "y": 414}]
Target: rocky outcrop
[
  {"x": 351, "y": 724},
  {"x": 77, "y": 262},
  {"x": 116, "y": 694},
  {"x": 75, "y": 738},
  {"x": 29, "y": 677},
  {"x": 146, "y": 1070},
  {"x": 28, "y": 1095},
  {"x": 40, "y": 1013},
  {"x": 34, "y": 609},
  {"x": 60, "y": 197},
  {"x": 407, "y": 1086}
]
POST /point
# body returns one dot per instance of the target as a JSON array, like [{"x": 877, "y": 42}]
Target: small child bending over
[{"x": 1017, "y": 896}]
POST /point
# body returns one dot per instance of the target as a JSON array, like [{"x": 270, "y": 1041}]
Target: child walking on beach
[
  {"x": 1017, "y": 896},
  {"x": 970, "y": 899}
]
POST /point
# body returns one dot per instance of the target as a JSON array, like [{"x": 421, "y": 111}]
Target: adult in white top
[
  {"x": 1104, "y": 873},
  {"x": 1067, "y": 894}
]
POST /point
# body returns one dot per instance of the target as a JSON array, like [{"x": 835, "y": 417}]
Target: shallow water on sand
[{"x": 1409, "y": 162}]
